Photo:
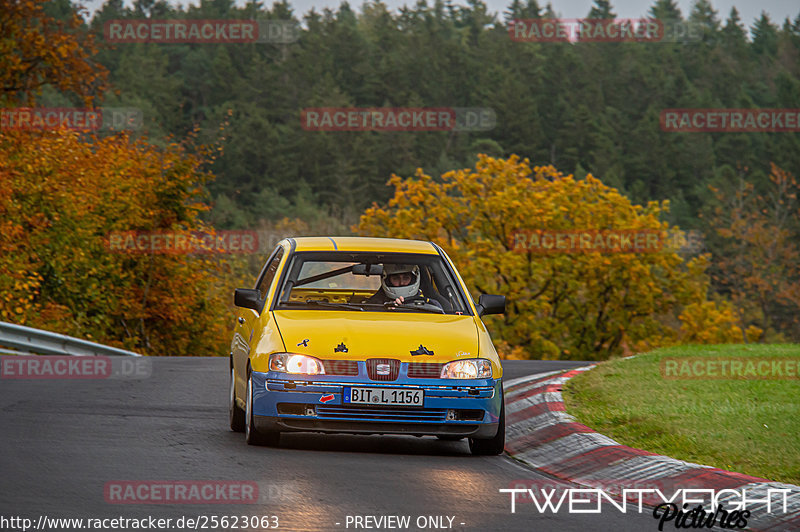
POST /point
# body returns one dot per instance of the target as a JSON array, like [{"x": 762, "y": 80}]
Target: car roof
[{"x": 363, "y": 244}]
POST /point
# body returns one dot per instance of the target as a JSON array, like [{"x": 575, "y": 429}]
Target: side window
[{"x": 269, "y": 274}]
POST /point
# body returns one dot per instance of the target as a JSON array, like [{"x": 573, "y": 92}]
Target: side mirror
[
  {"x": 367, "y": 269},
  {"x": 247, "y": 298},
  {"x": 491, "y": 304}
]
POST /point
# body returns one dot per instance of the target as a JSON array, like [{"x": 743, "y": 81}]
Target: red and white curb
[{"x": 540, "y": 433}]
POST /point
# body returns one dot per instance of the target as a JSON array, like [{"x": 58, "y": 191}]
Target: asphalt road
[{"x": 62, "y": 441}]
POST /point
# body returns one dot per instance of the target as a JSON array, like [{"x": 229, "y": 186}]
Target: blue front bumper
[{"x": 452, "y": 407}]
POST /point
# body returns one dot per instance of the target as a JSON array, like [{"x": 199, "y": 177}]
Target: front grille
[
  {"x": 340, "y": 367},
  {"x": 372, "y": 368},
  {"x": 382, "y": 413},
  {"x": 424, "y": 370}
]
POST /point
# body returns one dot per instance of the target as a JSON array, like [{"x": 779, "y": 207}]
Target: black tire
[
  {"x": 251, "y": 434},
  {"x": 493, "y": 446},
  {"x": 235, "y": 413}
]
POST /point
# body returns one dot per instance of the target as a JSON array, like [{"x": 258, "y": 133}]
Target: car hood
[{"x": 378, "y": 334}]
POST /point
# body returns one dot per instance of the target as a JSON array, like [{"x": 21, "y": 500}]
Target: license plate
[{"x": 385, "y": 396}]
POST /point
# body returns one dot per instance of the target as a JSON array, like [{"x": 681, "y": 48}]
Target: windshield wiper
[
  {"x": 323, "y": 303},
  {"x": 427, "y": 307},
  {"x": 389, "y": 304}
]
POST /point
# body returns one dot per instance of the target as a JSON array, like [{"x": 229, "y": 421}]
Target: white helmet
[{"x": 409, "y": 290}]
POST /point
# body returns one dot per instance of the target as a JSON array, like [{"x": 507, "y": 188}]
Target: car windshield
[{"x": 352, "y": 282}]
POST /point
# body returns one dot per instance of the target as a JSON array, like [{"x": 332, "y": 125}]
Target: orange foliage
[
  {"x": 36, "y": 50},
  {"x": 758, "y": 253},
  {"x": 60, "y": 195}
]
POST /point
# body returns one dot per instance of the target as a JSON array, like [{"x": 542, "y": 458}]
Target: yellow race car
[{"x": 365, "y": 336}]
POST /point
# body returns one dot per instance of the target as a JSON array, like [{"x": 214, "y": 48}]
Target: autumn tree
[
  {"x": 38, "y": 50},
  {"x": 586, "y": 306},
  {"x": 755, "y": 238},
  {"x": 58, "y": 204},
  {"x": 62, "y": 193}
]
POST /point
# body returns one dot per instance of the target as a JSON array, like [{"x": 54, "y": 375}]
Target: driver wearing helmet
[{"x": 400, "y": 282}]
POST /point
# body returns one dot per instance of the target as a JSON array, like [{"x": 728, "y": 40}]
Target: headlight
[
  {"x": 294, "y": 363},
  {"x": 472, "y": 368}
]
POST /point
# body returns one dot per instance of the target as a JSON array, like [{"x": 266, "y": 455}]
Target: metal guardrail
[{"x": 49, "y": 343}]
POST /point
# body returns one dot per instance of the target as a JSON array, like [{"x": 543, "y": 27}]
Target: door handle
[{"x": 241, "y": 319}]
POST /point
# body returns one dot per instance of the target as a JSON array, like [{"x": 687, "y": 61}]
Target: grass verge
[{"x": 745, "y": 425}]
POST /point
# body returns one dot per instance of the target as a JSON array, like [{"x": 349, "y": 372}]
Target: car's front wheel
[
  {"x": 493, "y": 446},
  {"x": 235, "y": 413},
  {"x": 251, "y": 433}
]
